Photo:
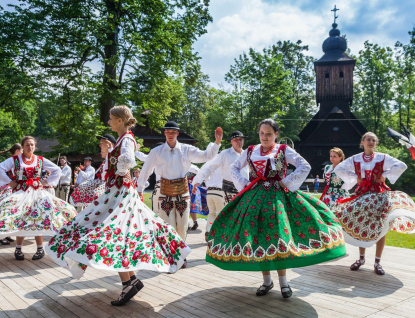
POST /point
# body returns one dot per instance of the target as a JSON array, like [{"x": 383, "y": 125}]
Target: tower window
[
  {"x": 341, "y": 74},
  {"x": 327, "y": 75}
]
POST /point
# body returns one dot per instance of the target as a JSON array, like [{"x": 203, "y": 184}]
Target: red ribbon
[
  {"x": 364, "y": 187},
  {"x": 29, "y": 182},
  {"x": 249, "y": 186},
  {"x": 325, "y": 191}
]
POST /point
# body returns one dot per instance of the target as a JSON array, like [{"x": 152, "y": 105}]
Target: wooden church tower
[{"x": 334, "y": 125}]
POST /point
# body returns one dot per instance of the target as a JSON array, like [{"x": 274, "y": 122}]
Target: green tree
[
  {"x": 374, "y": 85},
  {"x": 60, "y": 38}
]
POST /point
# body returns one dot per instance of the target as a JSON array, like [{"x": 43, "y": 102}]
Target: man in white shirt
[
  {"x": 85, "y": 174},
  {"x": 172, "y": 161},
  {"x": 221, "y": 162},
  {"x": 64, "y": 185}
]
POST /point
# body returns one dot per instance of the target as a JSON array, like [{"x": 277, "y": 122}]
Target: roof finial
[{"x": 335, "y": 16}]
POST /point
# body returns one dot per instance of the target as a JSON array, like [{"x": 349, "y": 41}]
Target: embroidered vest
[
  {"x": 30, "y": 176},
  {"x": 272, "y": 176},
  {"x": 111, "y": 179},
  {"x": 98, "y": 174},
  {"x": 369, "y": 183}
]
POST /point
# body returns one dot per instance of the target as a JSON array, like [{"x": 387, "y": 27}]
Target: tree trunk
[{"x": 109, "y": 81}]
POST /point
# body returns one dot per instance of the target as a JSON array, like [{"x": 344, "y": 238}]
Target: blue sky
[{"x": 241, "y": 24}]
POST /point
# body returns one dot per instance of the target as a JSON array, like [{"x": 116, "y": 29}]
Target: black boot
[
  {"x": 128, "y": 292},
  {"x": 9, "y": 239},
  {"x": 18, "y": 254},
  {"x": 39, "y": 254},
  {"x": 194, "y": 227},
  {"x": 137, "y": 283},
  {"x": 4, "y": 242}
]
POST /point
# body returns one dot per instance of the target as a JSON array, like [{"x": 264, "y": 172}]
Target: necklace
[
  {"x": 266, "y": 153},
  {"x": 30, "y": 161},
  {"x": 367, "y": 158}
]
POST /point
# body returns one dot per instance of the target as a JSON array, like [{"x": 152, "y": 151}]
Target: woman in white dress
[
  {"x": 118, "y": 232},
  {"x": 31, "y": 210},
  {"x": 373, "y": 209}
]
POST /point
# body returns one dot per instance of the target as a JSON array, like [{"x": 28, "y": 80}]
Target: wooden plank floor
[{"x": 43, "y": 289}]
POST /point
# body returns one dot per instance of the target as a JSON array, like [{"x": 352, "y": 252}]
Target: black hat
[
  {"x": 237, "y": 134},
  {"x": 171, "y": 125},
  {"x": 88, "y": 158},
  {"x": 108, "y": 137}
]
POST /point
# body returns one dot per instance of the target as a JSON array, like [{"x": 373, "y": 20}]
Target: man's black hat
[
  {"x": 237, "y": 134},
  {"x": 108, "y": 137},
  {"x": 88, "y": 158},
  {"x": 171, "y": 125}
]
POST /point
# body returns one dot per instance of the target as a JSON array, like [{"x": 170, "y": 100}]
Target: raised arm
[
  {"x": 141, "y": 156},
  {"x": 147, "y": 170},
  {"x": 346, "y": 171},
  {"x": 302, "y": 168},
  {"x": 199, "y": 156},
  {"x": 393, "y": 168},
  {"x": 55, "y": 172},
  {"x": 239, "y": 181},
  {"x": 5, "y": 166}
]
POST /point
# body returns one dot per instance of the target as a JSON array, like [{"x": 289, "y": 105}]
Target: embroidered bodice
[
  {"x": 120, "y": 160},
  {"x": 272, "y": 166},
  {"x": 370, "y": 172},
  {"x": 332, "y": 179}
]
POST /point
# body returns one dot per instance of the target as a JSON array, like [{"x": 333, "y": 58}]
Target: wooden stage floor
[{"x": 43, "y": 289}]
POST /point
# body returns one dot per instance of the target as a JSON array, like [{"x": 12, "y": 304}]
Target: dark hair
[
  {"x": 271, "y": 122},
  {"x": 12, "y": 149},
  {"x": 26, "y": 138}
]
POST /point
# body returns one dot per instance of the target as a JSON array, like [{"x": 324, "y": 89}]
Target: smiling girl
[
  {"x": 118, "y": 232},
  {"x": 373, "y": 209},
  {"x": 31, "y": 210}
]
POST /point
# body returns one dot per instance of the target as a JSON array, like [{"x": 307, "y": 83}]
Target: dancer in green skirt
[{"x": 270, "y": 225}]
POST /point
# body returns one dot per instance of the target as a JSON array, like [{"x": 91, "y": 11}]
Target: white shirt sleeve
[
  {"x": 345, "y": 170},
  {"x": 194, "y": 169},
  {"x": 393, "y": 168},
  {"x": 199, "y": 156},
  {"x": 126, "y": 160},
  {"x": 55, "y": 172},
  {"x": 88, "y": 174},
  {"x": 302, "y": 168},
  {"x": 238, "y": 180},
  {"x": 147, "y": 169},
  {"x": 5, "y": 166},
  {"x": 208, "y": 169},
  {"x": 141, "y": 156}
]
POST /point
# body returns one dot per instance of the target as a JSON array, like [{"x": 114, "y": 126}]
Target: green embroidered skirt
[{"x": 272, "y": 229}]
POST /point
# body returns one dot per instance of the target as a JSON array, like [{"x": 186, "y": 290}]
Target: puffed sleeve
[
  {"x": 199, "y": 156},
  {"x": 5, "y": 166},
  {"x": 194, "y": 169},
  {"x": 238, "y": 180},
  {"x": 55, "y": 172},
  {"x": 346, "y": 171},
  {"x": 302, "y": 168},
  {"x": 393, "y": 168},
  {"x": 126, "y": 160}
]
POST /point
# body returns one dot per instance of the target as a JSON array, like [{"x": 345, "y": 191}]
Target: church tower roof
[{"x": 334, "y": 47}]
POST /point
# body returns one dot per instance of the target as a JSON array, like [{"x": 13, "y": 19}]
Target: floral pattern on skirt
[
  {"x": 367, "y": 218},
  {"x": 33, "y": 212},
  {"x": 118, "y": 232},
  {"x": 332, "y": 195},
  {"x": 87, "y": 192},
  {"x": 271, "y": 229},
  {"x": 198, "y": 202},
  {"x": 5, "y": 191}
]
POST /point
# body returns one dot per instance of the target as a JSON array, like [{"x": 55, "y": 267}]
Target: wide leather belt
[
  {"x": 228, "y": 186},
  {"x": 174, "y": 187}
]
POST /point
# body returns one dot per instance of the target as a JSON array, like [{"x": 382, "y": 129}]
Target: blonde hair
[
  {"x": 339, "y": 152},
  {"x": 369, "y": 133},
  {"x": 124, "y": 113},
  {"x": 26, "y": 138},
  {"x": 136, "y": 169}
]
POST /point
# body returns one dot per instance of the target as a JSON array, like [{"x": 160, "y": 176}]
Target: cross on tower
[{"x": 335, "y": 16}]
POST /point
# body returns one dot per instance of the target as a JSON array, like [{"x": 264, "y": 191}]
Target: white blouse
[
  {"x": 293, "y": 181},
  {"x": 126, "y": 159},
  {"x": 8, "y": 164},
  {"x": 393, "y": 168}
]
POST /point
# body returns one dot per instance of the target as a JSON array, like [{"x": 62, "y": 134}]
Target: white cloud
[{"x": 241, "y": 24}]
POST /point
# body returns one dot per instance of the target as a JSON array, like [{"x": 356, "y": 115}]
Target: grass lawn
[{"x": 392, "y": 238}]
